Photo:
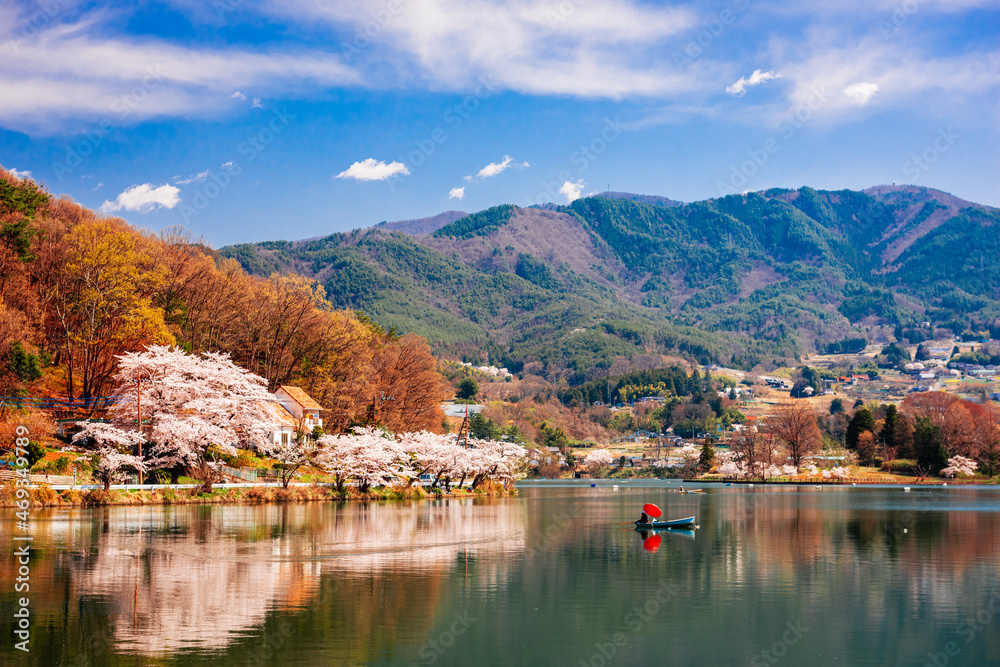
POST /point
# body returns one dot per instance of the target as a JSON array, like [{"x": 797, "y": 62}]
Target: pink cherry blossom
[
  {"x": 599, "y": 458},
  {"x": 190, "y": 402},
  {"x": 960, "y": 465}
]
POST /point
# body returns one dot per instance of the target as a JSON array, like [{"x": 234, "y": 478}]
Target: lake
[{"x": 773, "y": 575}]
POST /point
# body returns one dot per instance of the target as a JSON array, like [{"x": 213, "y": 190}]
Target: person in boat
[{"x": 643, "y": 518}]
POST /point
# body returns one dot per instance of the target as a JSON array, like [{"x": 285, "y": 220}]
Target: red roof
[{"x": 301, "y": 397}]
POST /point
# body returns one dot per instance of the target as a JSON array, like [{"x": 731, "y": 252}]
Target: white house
[{"x": 297, "y": 411}]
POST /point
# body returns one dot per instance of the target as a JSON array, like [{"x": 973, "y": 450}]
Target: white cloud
[
  {"x": 256, "y": 104},
  {"x": 861, "y": 92},
  {"x": 456, "y": 193},
  {"x": 86, "y": 69},
  {"x": 19, "y": 174},
  {"x": 373, "y": 170},
  {"x": 144, "y": 198},
  {"x": 196, "y": 177},
  {"x": 739, "y": 89},
  {"x": 572, "y": 190},
  {"x": 98, "y": 186},
  {"x": 239, "y": 96},
  {"x": 494, "y": 168},
  {"x": 588, "y": 49}
]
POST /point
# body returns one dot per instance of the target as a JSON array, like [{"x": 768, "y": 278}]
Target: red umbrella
[
  {"x": 652, "y": 510},
  {"x": 652, "y": 543}
]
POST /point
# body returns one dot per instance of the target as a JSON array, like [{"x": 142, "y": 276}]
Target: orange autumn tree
[
  {"x": 86, "y": 288},
  {"x": 102, "y": 301}
]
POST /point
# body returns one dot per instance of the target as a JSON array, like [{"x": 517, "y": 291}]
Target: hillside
[
  {"x": 750, "y": 280},
  {"x": 79, "y": 289}
]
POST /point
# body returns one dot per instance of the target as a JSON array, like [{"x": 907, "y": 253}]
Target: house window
[{"x": 284, "y": 438}]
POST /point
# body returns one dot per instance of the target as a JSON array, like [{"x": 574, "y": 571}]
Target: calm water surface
[{"x": 775, "y": 575}]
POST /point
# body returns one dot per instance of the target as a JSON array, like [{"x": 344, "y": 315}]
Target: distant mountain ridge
[
  {"x": 655, "y": 200},
  {"x": 419, "y": 226},
  {"x": 746, "y": 279}
]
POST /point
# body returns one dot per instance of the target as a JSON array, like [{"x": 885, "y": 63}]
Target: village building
[{"x": 297, "y": 412}]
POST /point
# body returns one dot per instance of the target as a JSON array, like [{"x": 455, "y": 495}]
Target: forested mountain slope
[{"x": 745, "y": 279}]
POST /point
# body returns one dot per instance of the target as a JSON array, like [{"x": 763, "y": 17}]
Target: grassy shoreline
[{"x": 45, "y": 496}]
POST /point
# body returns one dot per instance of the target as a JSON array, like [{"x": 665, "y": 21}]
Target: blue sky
[{"x": 246, "y": 121}]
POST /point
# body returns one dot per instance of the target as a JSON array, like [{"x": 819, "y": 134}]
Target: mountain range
[{"x": 760, "y": 278}]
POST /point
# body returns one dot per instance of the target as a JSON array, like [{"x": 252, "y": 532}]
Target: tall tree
[
  {"x": 467, "y": 388},
  {"x": 754, "y": 452},
  {"x": 932, "y": 405},
  {"x": 861, "y": 421},
  {"x": 407, "y": 386},
  {"x": 959, "y": 431},
  {"x": 192, "y": 402},
  {"x": 988, "y": 440},
  {"x": 795, "y": 425},
  {"x": 103, "y": 302},
  {"x": 928, "y": 443},
  {"x": 890, "y": 429}
]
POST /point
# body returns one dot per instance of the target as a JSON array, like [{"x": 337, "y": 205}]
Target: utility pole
[
  {"x": 138, "y": 413},
  {"x": 464, "y": 428},
  {"x": 138, "y": 410}
]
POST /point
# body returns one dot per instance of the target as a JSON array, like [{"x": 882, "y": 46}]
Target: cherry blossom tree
[
  {"x": 691, "y": 456},
  {"x": 599, "y": 458},
  {"x": 291, "y": 456},
  {"x": 840, "y": 472},
  {"x": 501, "y": 461},
  {"x": 430, "y": 454},
  {"x": 731, "y": 470},
  {"x": 191, "y": 402},
  {"x": 107, "y": 458},
  {"x": 369, "y": 456},
  {"x": 960, "y": 465}
]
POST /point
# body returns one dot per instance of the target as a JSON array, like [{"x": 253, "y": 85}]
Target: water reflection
[{"x": 879, "y": 577}]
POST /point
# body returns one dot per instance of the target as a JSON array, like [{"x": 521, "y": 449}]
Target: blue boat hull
[{"x": 675, "y": 523}]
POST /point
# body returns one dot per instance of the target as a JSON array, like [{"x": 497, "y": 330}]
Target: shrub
[
  {"x": 900, "y": 466},
  {"x": 259, "y": 494},
  {"x": 44, "y": 495},
  {"x": 96, "y": 498}
]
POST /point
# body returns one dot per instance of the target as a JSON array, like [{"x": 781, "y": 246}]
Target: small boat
[
  {"x": 691, "y": 491},
  {"x": 674, "y": 523}
]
